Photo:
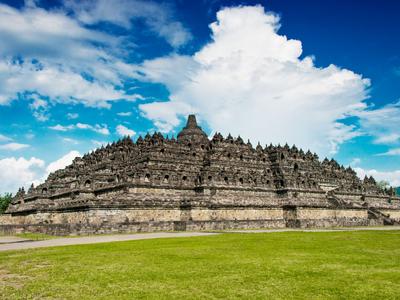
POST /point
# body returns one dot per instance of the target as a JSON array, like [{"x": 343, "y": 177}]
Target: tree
[
  {"x": 383, "y": 184},
  {"x": 4, "y": 202}
]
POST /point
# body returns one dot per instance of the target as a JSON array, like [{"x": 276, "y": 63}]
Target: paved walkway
[
  {"x": 12, "y": 239},
  {"x": 93, "y": 239},
  {"x": 16, "y": 243}
]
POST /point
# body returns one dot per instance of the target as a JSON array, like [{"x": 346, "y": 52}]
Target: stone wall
[
  {"x": 140, "y": 208},
  {"x": 195, "y": 218},
  {"x": 122, "y": 220},
  {"x": 321, "y": 217}
]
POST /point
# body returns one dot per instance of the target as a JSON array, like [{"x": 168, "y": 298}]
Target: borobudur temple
[{"x": 193, "y": 183}]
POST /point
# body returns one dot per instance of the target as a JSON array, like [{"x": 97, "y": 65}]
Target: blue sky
[{"x": 77, "y": 74}]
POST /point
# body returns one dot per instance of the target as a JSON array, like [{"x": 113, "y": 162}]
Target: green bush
[{"x": 4, "y": 202}]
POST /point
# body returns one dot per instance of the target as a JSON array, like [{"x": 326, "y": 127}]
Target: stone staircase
[
  {"x": 335, "y": 201},
  {"x": 373, "y": 213}
]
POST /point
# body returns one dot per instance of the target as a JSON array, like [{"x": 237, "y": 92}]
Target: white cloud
[
  {"x": 72, "y": 116},
  {"x": 19, "y": 172},
  {"x": 4, "y": 138},
  {"x": 56, "y": 50},
  {"x": 173, "y": 70},
  {"x": 355, "y": 162},
  {"x": 124, "y": 114},
  {"x": 387, "y": 139},
  {"x": 102, "y": 129},
  {"x": 341, "y": 133},
  {"x": 393, "y": 177},
  {"x": 158, "y": 17},
  {"x": 38, "y": 103},
  {"x": 83, "y": 126},
  {"x": 382, "y": 123},
  {"x": 13, "y": 146},
  {"x": 252, "y": 81},
  {"x": 59, "y": 127},
  {"x": 99, "y": 143},
  {"x": 164, "y": 114},
  {"x": 62, "y": 162},
  {"x": 70, "y": 141},
  {"x": 124, "y": 131},
  {"x": 60, "y": 85},
  {"x": 40, "y": 108},
  {"x": 391, "y": 152}
]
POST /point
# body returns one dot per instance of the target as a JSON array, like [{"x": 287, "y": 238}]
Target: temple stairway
[{"x": 373, "y": 213}]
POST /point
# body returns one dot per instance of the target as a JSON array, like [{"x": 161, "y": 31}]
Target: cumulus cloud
[
  {"x": 393, "y": 177},
  {"x": 18, "y": 172},
  {"x": 62, "y": 162},
  {"x": 124, "y": 131},
  {"x": 102, "y": 129},
  {"x": 253, "y": 81},
  {"x": 173, "y": 70},
  {"x": 165, "y": 114},
  {"x": 13, "y": 146}
]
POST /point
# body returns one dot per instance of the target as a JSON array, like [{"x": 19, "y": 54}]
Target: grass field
[{"x": 289, "y": 265}]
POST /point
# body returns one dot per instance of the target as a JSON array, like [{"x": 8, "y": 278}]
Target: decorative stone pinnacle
[
  {"x": 192, "y": 132},
  {"x": 191, "y": 122}
]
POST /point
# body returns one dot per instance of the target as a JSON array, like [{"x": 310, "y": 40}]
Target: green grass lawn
[{"x": 289, "y": 265}]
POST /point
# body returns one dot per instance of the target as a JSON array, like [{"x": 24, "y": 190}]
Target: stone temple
[{"x": 193, "y": 183}]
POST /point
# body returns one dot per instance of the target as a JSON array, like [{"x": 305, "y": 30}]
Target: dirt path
[
  {"x": 15, "y": 243},
  {"x": 93, "y": 239}
]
